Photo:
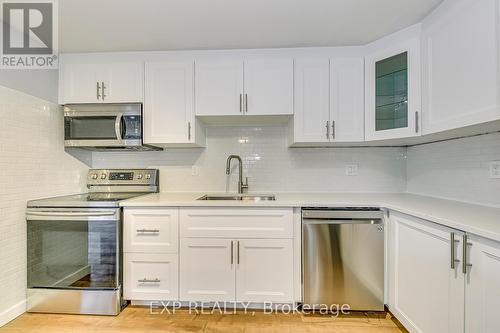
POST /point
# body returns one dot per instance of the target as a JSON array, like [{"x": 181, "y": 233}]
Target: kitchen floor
[{"x": 139, "y": 319}]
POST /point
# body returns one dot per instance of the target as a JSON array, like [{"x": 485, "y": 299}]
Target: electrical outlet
[
  {"x": 194, "y": 170},
  {"x": 495, "y": 169},
  {"x": 351, "y": 169}
]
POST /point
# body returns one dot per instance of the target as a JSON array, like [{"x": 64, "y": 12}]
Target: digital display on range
[{"x": 121, "y": 176}]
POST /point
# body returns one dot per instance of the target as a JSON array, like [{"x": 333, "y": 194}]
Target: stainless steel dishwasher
[{"x": 343, "y": 258}]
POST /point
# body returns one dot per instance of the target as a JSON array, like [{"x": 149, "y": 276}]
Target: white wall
[
  {"x": 269, "y": 164},
  {"x": 41, "y": 83},
  {"x": 33, "y": 164},
  {"x": 456, "y": 169}
]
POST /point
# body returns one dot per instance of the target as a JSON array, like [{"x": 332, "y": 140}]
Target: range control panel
[{"x": 122, "y": 177}]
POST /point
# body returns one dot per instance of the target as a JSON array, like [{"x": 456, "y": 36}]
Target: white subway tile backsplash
[
  {"x": 456, "y": 169},
  {"x": 33, "y": 164},
  {"x": 269, "y": 164}
]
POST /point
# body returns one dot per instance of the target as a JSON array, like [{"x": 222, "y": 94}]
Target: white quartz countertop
[{"x": 476, "y": 219}]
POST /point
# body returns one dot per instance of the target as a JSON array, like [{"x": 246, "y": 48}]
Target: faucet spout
[{"x": 241, "y": 186}]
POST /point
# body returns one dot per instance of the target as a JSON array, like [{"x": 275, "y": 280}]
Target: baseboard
[
  {"x": 12, "y": 312},
  {"x": 406, "y": 323},
  {"x": 396, "y": 321}
]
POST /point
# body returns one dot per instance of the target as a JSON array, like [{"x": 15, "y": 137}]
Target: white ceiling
[{"x": 136, "y": 25}]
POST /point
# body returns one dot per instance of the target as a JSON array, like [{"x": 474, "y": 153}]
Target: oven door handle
[
  {"x": 118, "y": 126},
  {"x": 72, "y": 213},
  {"x": 74, "y": 216}
]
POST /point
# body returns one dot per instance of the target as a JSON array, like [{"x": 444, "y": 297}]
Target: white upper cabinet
[
  {"x": 79, "y": 83},
  {"x": 122, "y": 82},
  {"x": 311, "y": 100},
  {"x": 169, "y": 104},
  {"x": 439, "y": 75},
  {"x": 101, "y": 82},
  {"x": 392, "y": 89},
  {"x": 219, "y": 87},
  {"x": 328, "y": 100},
  {"x": 460, "y": 59},
  {"x": 268, "y": 87},
  {"x": 237, "y": 87},
  {"x": 346, "y": 99}
]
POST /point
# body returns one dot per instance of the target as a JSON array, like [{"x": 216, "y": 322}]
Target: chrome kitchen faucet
[{"x": 241, "y": 186}]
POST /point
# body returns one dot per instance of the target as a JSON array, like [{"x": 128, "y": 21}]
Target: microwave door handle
[
  {"x": 123, "y": 128},
  {"x": 118, "y": 127}
]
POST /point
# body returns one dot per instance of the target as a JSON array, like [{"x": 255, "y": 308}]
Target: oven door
[
  {"x": 71, "y": 248},
  {"x": 103, "y": 126}
]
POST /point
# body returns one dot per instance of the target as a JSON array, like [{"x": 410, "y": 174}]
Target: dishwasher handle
[
  {"x": 343, "y": 214},
  {"x": 340, "y": 221}
]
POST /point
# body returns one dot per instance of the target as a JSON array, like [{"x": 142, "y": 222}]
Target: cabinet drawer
[
  {"x": 150, "y": 230},
  {"x": 237, "y": 222},
  {"x": 150, "y": 276}
]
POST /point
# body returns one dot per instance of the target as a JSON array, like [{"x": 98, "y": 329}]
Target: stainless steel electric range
[{"x": 74, "y": 244}]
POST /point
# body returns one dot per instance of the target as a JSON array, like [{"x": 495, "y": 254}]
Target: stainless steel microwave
[{"x": 104, "y": 127}]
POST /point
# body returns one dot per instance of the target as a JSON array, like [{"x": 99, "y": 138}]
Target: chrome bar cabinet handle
[
  {"x": 155, "y": 280},
  {"x": 238, "y": 252},
  {"x": 246, "y": 103},
  {"x": 189, "y": 131},
  {"x": 103, "y": 90},
  {"x": 327, "y": 129},
  {"x": 232, "y": 253},
  {"x": 333, "y": 129},
  {"x": 453, "y": 241},
  {"x": 416, "y": 122},
  {"x": 465, "y": 264},
  {"x": 98, "y": 90},
  {"x": 241, "y": 103},
  {"x": 148, "y": 231}
]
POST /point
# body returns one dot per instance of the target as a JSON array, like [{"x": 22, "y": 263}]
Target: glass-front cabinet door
[{"x": 392, "y": 88}]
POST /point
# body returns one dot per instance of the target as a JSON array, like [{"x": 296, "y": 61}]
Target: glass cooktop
[{"x": 94, "y": 199}]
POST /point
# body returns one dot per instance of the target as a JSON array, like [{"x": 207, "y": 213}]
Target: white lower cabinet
[
  {"x": 253, "y": 222},
  {"x": 150, "y": 254},
  {"x": 482, "y": 289},
  {"x": 264, "y": 270},
  {"x": 218, "y": 254},
  {"x": 243, "y": 270},
  {"x": 431, "y": 288},
  {"x": 150, "y": 276},
  {"x": 228, "y": 267},
  {"x": 207, "y": 270},
  {"x": 425, "y": 293},
  {"x": 151, "y": 230}
]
